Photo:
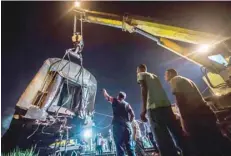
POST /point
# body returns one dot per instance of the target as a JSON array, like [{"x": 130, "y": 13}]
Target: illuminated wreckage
[{"x": 57, "y": 104}]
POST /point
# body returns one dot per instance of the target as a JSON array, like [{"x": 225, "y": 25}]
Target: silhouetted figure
[
  {"x": 122, "y": 117},
  {"x": 197, "y": 119}
]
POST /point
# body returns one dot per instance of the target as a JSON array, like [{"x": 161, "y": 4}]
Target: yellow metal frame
[
  {"x": 165, "y": 35},
  {"x": 148, "y": 25}
]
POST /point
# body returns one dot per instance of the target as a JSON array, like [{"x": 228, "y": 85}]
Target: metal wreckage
[
  {"x": 60, "y": 96},
  {"x": 59, "y": 101},
  {"x": 57, "y": 104}
]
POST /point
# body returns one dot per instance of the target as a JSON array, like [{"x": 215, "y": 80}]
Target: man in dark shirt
[{"x": 122, "y": 117}]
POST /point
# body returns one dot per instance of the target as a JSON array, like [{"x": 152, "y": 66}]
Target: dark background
[{"x": 35, "y": 31}]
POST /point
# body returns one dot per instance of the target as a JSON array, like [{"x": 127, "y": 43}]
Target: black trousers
[
  {"x": 167, "y": 131},
  {"x": 123, "y": 136},
  {"x": 110, "y": 145},
  {"x": 99, "y": 149}
]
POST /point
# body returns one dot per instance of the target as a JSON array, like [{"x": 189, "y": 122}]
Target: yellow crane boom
[
  {"x": 169, "y": 37},
  {"x": 130, "y": 23},
  {"x": 164, "y": 35}
]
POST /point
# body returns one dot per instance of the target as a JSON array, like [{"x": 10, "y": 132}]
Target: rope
[
  {"x": 109, "y": 117},
  {"x": 112, "y": 116},
  {"x": 204, "y": 90},
  {"x": 69, "y": 67},
  {"x": 68, "y": 92},
  {"x": 81, "y": 24},
  {"x": 102, "y": 120},
  {"x": 44, "y": 129},
  {"x": 103, "y": 127},
  {"x": 104, "y": 114},
  {"x": 34, "y": 131}
]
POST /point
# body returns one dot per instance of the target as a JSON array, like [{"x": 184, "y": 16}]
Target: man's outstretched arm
[{"x": 107, "y": 96}]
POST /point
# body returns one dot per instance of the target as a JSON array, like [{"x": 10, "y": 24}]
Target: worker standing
[
  {"x": 197, "y": 119},
  {"x": 123, "y": 115},
  {"x": 98, "y": 141},
  {"x": 110, "y": 140},
  {"x": 161, "y": 117}
]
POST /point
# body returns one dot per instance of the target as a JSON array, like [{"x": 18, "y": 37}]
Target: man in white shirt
[
  {"x": 110, "y": 140},
  {"x": 156, "y": 103},
  {"x": 99, "y": 147}
]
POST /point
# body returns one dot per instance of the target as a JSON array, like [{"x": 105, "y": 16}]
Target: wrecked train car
[{"x": 60, "y": 91}]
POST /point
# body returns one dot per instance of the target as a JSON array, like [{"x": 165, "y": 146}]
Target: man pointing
[{"x": 122, "y": 118}]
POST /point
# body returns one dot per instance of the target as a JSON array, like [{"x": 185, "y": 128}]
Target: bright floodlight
[
  {"x": 203, "y": 48},
  {"x": 87, "y": 133},
  {"x": 77, "y": 4}
]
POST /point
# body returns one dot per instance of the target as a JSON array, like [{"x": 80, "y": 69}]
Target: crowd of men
[
  {"x": 141, "y": 132},
  {"x": 196, "y": 134}
]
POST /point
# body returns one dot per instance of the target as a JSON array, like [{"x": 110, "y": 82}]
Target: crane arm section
[
  {"x": 168, "y": 37},
  {"x": 130, "y": 23},
  {"x": 165, "y": 35}
]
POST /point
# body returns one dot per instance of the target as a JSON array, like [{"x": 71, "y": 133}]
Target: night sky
[{"x": 35, "y": 31}]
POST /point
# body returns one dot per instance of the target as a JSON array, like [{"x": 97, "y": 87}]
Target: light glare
[
  {"x": 87, "y": 133},
  {"x": 203, "y": 48},
  {"x": 77, "y": 4}
]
